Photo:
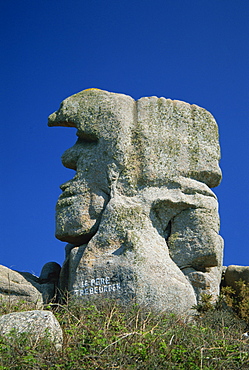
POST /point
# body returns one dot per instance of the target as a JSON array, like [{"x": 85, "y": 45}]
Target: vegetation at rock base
[{"x": 104, "y": 335}]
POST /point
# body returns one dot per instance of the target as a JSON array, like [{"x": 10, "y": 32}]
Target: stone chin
[
  {"x": 72, "y": 231},
  {"x": 75, "y": 224},
  {"x": 76, "y": 240}
]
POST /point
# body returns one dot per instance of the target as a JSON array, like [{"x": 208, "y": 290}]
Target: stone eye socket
[{"x": 86, "y": 138}]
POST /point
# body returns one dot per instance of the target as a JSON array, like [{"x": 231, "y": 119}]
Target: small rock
[
  {"x": 50, "y": 273},
  {"x": 49, "y": 281},
  {"x": 38, "y": 324}
]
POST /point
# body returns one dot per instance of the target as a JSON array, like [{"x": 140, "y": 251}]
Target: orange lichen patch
[{"x": 91, "y": 88}]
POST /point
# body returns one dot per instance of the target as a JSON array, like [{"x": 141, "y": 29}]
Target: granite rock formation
[
  {"x": 14, "y": 286},
  {"x": 140, "y": 217}
]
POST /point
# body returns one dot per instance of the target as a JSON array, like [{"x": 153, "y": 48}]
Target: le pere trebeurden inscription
[{"x": 96, "y": 286}]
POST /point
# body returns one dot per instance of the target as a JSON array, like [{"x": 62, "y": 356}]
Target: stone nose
[{"x": 70, "y": 157}]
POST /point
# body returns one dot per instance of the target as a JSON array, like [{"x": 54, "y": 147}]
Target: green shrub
[
  {"x": 238, "y": 299},
  {"x": 105, "y": 335}
]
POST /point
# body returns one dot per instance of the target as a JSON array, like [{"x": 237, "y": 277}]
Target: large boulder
[
  {"x": 16, "y": 285},
  {"x": 140, "y": 217},
  {"x": 37, "y": 324}
]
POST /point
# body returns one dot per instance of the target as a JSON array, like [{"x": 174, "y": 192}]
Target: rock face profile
[{"x": 139, "y": 214}]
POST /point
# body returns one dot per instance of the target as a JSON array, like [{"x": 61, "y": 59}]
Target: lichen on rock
[{"x": 139, "y": 213}]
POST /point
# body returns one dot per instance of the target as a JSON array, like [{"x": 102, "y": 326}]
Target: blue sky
[{"x": 195, "y": 51}]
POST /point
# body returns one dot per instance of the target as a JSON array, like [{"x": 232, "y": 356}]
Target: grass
[{"x": 104, "y": 335}]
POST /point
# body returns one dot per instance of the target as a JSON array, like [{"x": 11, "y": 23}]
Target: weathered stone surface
[
  {"x": 15, "y": 286},
  {"x": 234, "y": 273},
  {"x": 130, "y": 262},
  {"x": 177, "y": 138},
  {"x": 207, "y": 282},
  {"x": 38, "y": 324},
  {"x": 140, "y": 206}
]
